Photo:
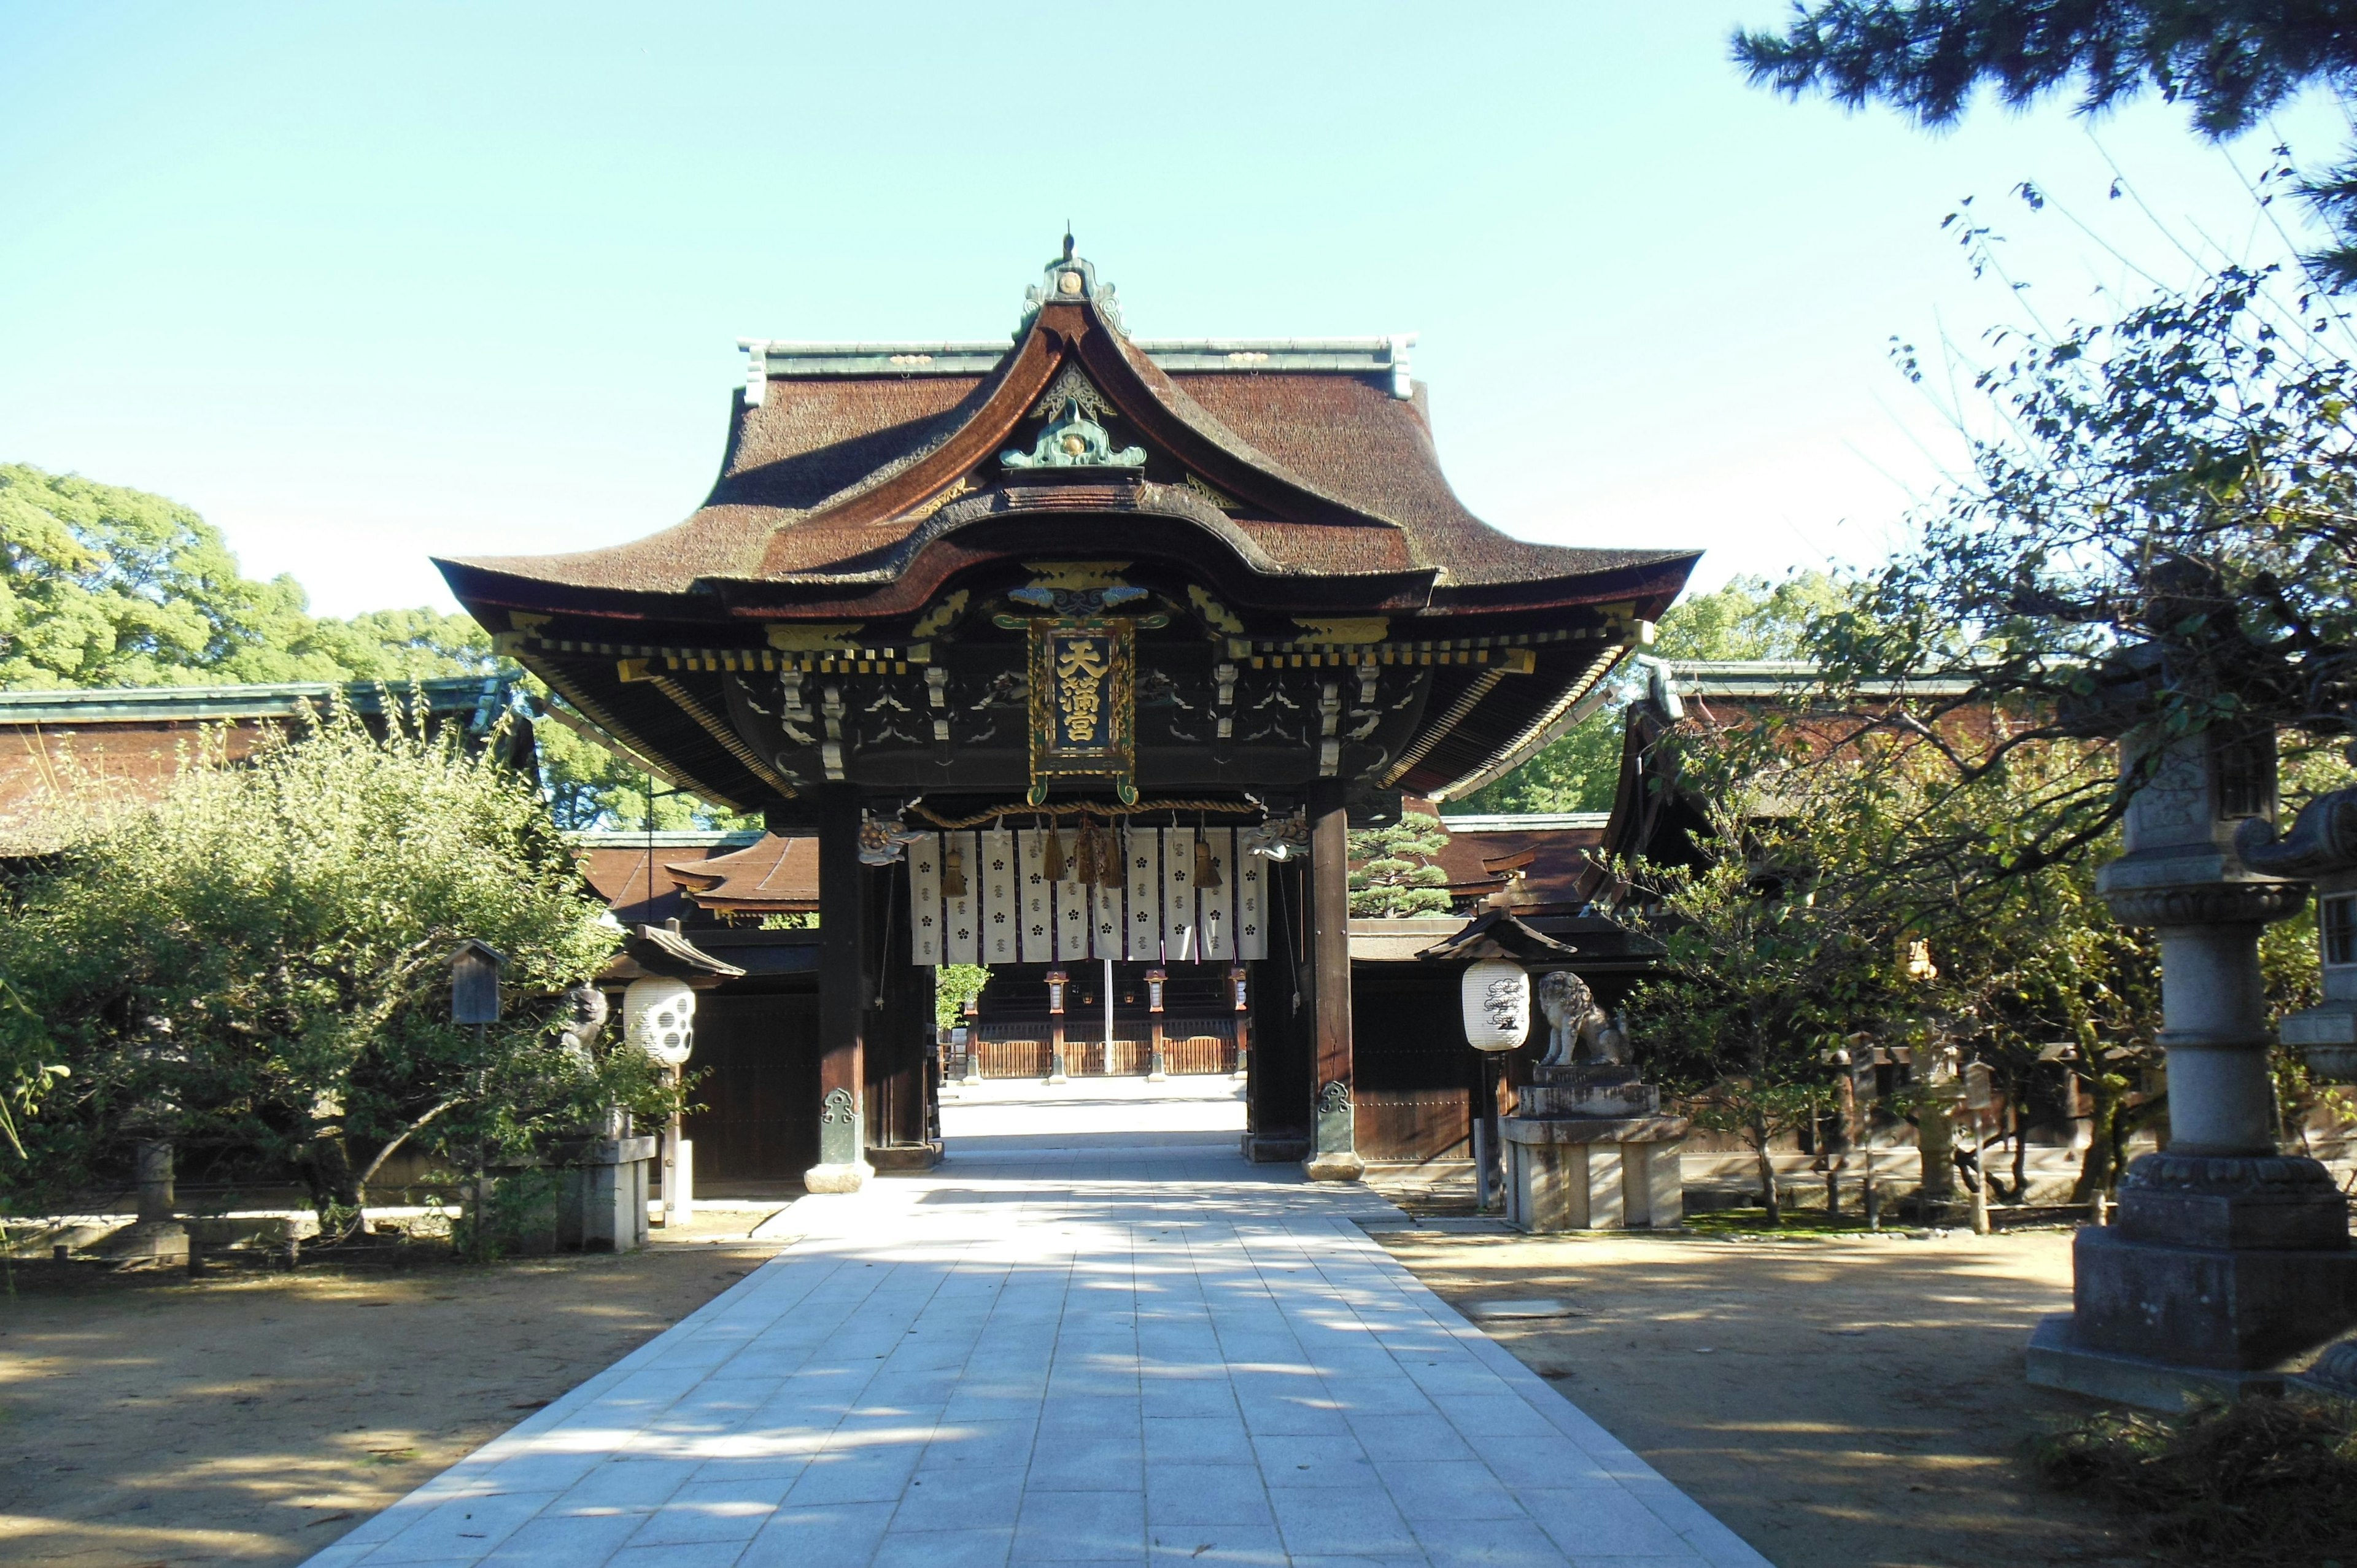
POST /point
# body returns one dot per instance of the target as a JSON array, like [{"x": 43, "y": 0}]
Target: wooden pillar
[
  {"x": 1333, "y": 1144},
  {"x": 842, "y": 996}
]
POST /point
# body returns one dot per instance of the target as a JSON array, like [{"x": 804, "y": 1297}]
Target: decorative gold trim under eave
[
  {"x": 718, "y": 728},
  {"x": 598, "y": 715},
  {"x": 1458, "y": 710},
  {"x": 1579, "y": 699},
  {"x": 1505, "y": 660},
  {"x": 731, "y": 660},
  {"x": 1408, "y": 650}
]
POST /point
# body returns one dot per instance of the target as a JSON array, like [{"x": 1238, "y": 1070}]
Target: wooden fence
[{"x": 1190, "y": 1047}]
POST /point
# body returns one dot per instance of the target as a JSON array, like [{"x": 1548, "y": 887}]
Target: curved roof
[{"x": 845, "y": 463}]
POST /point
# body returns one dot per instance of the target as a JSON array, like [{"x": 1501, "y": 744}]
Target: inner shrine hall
[{"x": 1079, "y": 654}]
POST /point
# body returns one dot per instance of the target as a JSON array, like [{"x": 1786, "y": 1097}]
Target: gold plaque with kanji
[{"x": 1083, "y": 703}]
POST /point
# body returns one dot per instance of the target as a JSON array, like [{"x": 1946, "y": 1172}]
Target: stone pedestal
[
  {"x": 156, "y": 1236},
  {"x": 604, "y": 1208},
  {"x": 1589, "y": 1149}
]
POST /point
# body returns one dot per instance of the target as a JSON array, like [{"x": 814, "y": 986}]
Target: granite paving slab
[{"x": 1081, "y": 1355}]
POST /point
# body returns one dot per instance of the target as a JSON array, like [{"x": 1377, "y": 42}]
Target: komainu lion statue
[
  {"x": 1577, "y": 1029},
  {"x": 1565, "y": 1002}
]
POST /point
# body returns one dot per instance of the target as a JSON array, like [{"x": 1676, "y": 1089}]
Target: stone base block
[
  {"x": 1555, "y": 1184},
  {"x": 904, "y": 1158},
  {"x": 1275, "y": 1148},
  {"x": 162, "y": 1241},
  {"x": 604, "y": 1205},
  {"x": 1341, "y": 1165},
  {"x": 2057, "y": 1361},
  {"x": 2213, "y": 1308},
  {"x": 845, "y": 1177},
  {"x": 2247, "y": 1202}
]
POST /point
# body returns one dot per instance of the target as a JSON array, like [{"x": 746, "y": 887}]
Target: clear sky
[{"x": 368, "y": 283}]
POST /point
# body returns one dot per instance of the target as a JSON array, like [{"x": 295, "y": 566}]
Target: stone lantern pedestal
[
  {"x": 604, "y": 1208},
  {"x": 156, "y": 1236},
  {"x": 2226, "y": 1258},
  {"x": 1589, "y": 1149}
]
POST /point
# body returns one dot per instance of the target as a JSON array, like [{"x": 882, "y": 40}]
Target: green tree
[
  {"x": 1751, "y": 617},
  {"x": 107, "y": 586},
  {"x": 1768, "y": 972},
  {"x": 1392, "y": 871},
  {"x": 1842, "y": 860},
  {"x": 397, "y": 646},
  {"x": 2232, "y": 61},
  {"x": 955, "y": 985},
  {"x": 2163, "y": 539},
  {"x": 258, "y": 966},
  {"x": 101, "y": 585}
]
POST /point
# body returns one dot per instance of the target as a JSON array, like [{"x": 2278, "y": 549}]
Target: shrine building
[{"x": 1078, "y": 655}]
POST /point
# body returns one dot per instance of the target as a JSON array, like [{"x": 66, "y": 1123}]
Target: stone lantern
[
  {"x": 1059, "y": 982},
  {"x": 2225, "y": 1257},
  {"x": 2322, "y": 846}
]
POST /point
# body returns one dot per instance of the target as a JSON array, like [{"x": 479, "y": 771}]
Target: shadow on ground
[{"x": 1838, "y": 1402}]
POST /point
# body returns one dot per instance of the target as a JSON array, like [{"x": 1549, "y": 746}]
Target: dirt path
[
  {"x": 255, "y": 1420},
  {"x": 1839, "y": 1403}
]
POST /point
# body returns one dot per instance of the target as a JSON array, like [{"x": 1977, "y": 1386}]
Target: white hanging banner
[
  {"x": 1178, "y": 935},
  {"x": 1215, "y": 903},
  {"x": 1001, "y": 907},
  {"x": 1252, "y": 874},
  {"x": 1073, "y": 915},
  {"x": 1036, "y": 940},
  {"x": 1144, "y": 864},
  {"x": 962, "y": 912},
  {"x": 925, "y": 900},
  {"x": 1011, "y": 912},
  {"x": 1105, "y": 940}
]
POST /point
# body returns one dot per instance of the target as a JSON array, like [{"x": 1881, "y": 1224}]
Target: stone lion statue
[
  {"x": 581, "y": 1021},
  {"x": 1565, "y": 1002},
  {"x": 1578, "y": 1030}
]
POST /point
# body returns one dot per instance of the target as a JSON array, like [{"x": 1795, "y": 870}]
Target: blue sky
[{"x": 368, "y": 283}]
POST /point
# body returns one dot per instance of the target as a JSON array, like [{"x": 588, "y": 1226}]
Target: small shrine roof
[{"x": 773, "y": 875}]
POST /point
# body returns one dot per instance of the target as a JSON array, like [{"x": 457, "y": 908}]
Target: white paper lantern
[
  {"x": 658, "y": 1016},
  {"x": 1496, "y": 995}
]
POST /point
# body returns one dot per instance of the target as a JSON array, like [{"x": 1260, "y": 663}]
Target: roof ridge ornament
[
  {"x": 1069, "y": 279},
  {"x": 1072, "y": 385},
  {"x": 1073, "y": 440}
]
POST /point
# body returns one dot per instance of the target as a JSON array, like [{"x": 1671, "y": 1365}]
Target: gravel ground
[
  {"x": 148, "y": 1419},
  {"x": 1840, "y": 1403}
]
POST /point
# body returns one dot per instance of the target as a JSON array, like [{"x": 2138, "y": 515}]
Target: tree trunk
[
  {"x": 328, "y": 1169},
  {"x": 1769, "y": 1198},
  {"x": 2098, "y": 1169},
  {"x": 2015, "y": 1107},
  {"x": 361, "y": 1182}
]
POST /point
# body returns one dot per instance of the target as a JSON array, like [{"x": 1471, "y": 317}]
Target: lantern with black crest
[{"x": 658, "y": 1019}]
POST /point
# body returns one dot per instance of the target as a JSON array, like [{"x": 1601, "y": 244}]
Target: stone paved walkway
[{"x": 1061, "y": 1356}]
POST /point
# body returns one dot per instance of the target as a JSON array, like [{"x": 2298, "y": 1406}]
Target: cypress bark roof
[{"x": 844, "y": 464}]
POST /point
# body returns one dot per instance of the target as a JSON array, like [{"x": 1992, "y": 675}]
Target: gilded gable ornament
[
  {"x": 1083, "y": 702},
  {"x": 1073, "y": 440}
]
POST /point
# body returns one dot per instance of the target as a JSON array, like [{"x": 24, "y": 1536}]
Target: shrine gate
[{"x": 1074, "y": 650}]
